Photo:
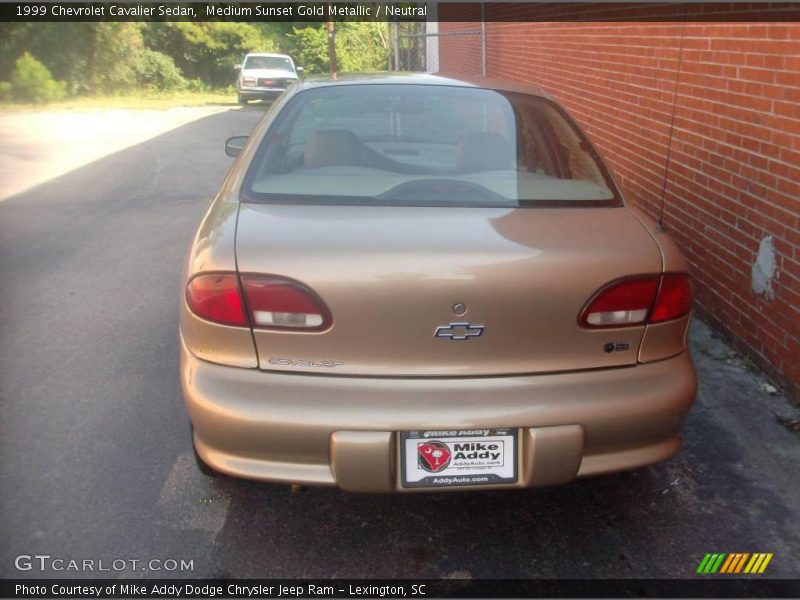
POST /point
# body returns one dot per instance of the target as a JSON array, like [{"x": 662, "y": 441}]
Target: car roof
[{"x": 403, "y": 78}]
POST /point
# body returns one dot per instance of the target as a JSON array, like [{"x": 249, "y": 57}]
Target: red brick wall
[
  {"x": 733, "y": 174},
  {"x": 460, "y": 48}
]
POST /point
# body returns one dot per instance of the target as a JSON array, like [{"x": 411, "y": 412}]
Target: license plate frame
[{"x": 471, "y": 460}]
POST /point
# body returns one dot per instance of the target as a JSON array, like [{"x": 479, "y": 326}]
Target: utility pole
[{"x": 331, "y": 47}]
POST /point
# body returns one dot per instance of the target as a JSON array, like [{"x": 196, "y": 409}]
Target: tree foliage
[
  {"x": 208, "y": 51},
  {"x": 359, "y": 47},
  {"x": 112, "y": 57},
  {"x": 158, "y": 72},
  {"x": 312, "y": 44},
  {"x": 32, "y": 82}
]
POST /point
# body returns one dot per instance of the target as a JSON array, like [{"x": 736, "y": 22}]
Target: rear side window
[{"x": 419, "y": 145}]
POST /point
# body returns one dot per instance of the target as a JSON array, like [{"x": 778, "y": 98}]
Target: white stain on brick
[{"x": 764, "y": 269}]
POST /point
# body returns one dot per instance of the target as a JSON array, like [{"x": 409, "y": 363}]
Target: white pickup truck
[{"x": 264, "y": 76}]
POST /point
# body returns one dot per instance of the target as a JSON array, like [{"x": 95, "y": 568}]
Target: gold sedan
[{"x": 415, "y": 283}]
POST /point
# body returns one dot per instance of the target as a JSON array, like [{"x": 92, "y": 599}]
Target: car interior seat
[
  {"x": 483, "y": 151},
  {"x": 332, "y": 147}
]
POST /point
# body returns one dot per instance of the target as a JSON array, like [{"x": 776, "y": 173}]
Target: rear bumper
[{"x": 323, "y": 430}]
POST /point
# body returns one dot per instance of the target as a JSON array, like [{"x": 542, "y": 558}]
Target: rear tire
[
  {"x": 242, "y": 100},
  {"x": 202, "y": 466}
]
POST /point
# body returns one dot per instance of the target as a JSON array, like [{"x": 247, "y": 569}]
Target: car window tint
[{"x": 425, "y": 145}]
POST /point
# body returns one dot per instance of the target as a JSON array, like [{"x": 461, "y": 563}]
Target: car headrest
[
  {"x": 332, "y": 147},
  {"x": 483, "y": 151}
]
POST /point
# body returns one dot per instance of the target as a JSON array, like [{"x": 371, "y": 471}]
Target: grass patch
[{"x": 160, "y": 101}]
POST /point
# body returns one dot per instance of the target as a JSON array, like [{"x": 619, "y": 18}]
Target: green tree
[
  {"x": 90, "y": 57},
  {"x": 155, "y": 71},
  {"x": 114, "y": 51},
  {"x": 359, "y": 47},
  {"x": 311, "y": 48},
  {"x": 207, "y": 51},
  {"x": 119, "y": 57},
  {"x": 62, "y": 47},
  {"x": 31, "y": 81}
]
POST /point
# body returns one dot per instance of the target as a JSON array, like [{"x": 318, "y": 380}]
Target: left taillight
[
  {"x": 260, "y": 301},
  {"x": 217, "y": 297},
  {"x": 281, "y": 303}
]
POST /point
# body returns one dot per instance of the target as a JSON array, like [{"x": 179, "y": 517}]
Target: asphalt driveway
[
  {"x": 94, "y": 443},
  {"x": 36, "y": 145}
]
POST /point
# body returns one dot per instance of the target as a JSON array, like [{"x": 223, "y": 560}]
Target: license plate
[{"x": 458, "y": 457}]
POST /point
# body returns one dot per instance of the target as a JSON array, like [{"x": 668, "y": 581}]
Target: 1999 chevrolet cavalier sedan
[{"x": 411, "y": 282}]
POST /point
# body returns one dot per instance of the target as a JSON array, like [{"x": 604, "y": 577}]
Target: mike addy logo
[{"x": 735, "y": 563}]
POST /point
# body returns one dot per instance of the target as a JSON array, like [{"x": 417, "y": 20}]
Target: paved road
[
  {"x": 36, "y": 145},
  {"x": 96, "y": 461}
]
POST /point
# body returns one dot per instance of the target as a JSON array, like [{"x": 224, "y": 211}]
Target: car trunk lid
[{"x": 446, "y": 291}]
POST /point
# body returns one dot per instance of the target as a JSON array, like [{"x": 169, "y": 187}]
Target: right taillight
[
  {"x": 674, "y": 298},
  {"x": 639, "y": 300}
]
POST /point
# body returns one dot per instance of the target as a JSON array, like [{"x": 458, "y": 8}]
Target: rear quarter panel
[
  {"x": 664, "y": 340},
  {"x": 213, "y": 250}
]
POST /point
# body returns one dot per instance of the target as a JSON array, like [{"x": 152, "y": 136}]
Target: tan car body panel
[
  {"x": 579, "y": 411},
  {"x": 286, "y": 427},
  {"x": 213, "y": 250},
  {"x": 390, "y": 276},
  {"x": 664, "y": 340}
]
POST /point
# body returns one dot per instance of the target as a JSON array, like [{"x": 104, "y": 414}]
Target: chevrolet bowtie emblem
[{"x": 458, "y": 331}]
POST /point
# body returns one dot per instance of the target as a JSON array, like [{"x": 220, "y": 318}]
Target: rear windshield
[
  {"x": 419, "y": 145},
  {"x": 268, "y": 62}
]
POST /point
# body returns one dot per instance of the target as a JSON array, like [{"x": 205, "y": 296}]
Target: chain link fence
[{"x": 429, "y": 48}]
